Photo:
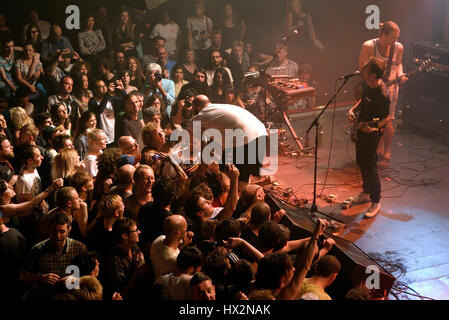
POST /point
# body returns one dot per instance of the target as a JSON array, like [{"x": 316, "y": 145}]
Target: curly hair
[{"x": 107, "y": 168}]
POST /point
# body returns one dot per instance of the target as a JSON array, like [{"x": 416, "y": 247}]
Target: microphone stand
[{"x": 316, "y": 124}]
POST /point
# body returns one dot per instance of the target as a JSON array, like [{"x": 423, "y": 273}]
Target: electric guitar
[
  {"x": 425, "y": 66},
  {"x": 375, "y": 125}
]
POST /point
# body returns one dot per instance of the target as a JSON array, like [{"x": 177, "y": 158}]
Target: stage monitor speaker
[
  {"x": 343, "y": 150},
  {"x": 354, "y": 262}
]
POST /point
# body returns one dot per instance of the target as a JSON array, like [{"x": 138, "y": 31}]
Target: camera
[
  {"x": 67, "y": 55},
  {"x": 188, "y": 103},
  {"x": 158, "y": 76}
]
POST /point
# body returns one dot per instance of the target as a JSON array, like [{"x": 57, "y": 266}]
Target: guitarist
[
  {"x": 374, "y": 108},
  {"x": 391, "y": 52}
]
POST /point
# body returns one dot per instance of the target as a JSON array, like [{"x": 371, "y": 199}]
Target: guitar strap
[{"x": 389, "y": 64}]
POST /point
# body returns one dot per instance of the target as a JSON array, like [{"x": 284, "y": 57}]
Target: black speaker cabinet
[
  {"x": 356, "y": 265},
  {"x": 426, "y": 107}
]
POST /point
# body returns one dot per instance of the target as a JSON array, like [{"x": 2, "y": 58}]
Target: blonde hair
[
  {"x": 110, "y": 204},
  {"x": 93, "y": 134},
  {"x": 146, "y": 132},
  {"x": 19, "y": 118},
  {"x": 64, "y": 163},
  {"x": 90, "y": 289}
]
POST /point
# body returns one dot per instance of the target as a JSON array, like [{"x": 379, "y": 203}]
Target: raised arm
[
  {"x": 25, "y": 207},
  {"x": 233, "y": 196},
  {"x": 303, "y": 264}
]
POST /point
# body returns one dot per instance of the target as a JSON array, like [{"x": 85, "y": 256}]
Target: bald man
[
  {"x": 224, "y": 116},
  {"x": 165, "y": 248},
  {"x": 124, "y": 187},
  {"x": 130, "y": 147}
]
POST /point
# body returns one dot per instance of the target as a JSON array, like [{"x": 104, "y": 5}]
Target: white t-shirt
[
  {"x": 178, "y": 286},
  {"x": 226, "y": 116},
  {"x": 200, "y": 27},
  {"x": 107, "y": 122},
  {"x": 170, "y": 32},
  {"x": 163, "y": 258},
  {"x": 28, "y": 183},
  {"x": 91, "y": 164}
]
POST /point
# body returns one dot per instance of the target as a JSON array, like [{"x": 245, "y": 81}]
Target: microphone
[
  {"x": 292, "y": 33},
  {"x": 349, "y": 75}
]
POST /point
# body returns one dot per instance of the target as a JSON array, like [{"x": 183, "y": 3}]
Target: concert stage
[{"x": 410, "y": 237}]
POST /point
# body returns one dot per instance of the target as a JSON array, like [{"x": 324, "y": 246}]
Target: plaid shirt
[{"x": 44, "y": 259}]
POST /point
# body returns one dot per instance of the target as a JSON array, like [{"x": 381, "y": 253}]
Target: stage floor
[{"x": 410, "y": 237}]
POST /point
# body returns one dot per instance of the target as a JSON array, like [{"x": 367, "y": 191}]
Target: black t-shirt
[
  {"x": 128, "y": 127},
  {"x": 375, "y": 103},
  {"x": 150, "y": 220},
  {"x": 101, "y": 241}
]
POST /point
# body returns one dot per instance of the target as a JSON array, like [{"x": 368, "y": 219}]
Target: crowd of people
[{"x": 86, "y": 179}]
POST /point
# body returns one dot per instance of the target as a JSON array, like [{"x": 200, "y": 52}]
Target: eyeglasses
[{"x": 131, "y": 231}]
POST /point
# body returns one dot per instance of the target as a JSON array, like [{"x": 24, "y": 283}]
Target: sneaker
[
  {"x": 360, "y": 198},
  {"x": 373, "y": 210}
]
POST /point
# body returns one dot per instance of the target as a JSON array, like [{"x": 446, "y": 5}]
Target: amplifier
[{"x": 423, "y": 50}]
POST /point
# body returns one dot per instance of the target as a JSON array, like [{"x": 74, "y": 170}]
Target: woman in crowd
[
  {"x": 126, "y": 79},
  {"x": 81, "y": 68},
  {"x": 65, "y": 164},
  {"x": 96, "y": 142},
  {"x": 178, "y": 78},
  {"x": 308, "y": 44},
  {"x": 60, "y": 117},
  {"x": 220, "y": 83},
  {"x": 28, "y": 71},
  {"x": 125, "y": 35},
  {"x": 91, "y": 41},
  {"x": 33, "y": 35},
  {"x": 233, "y": 27},
  {"x": 8, "y": 209},
  {"x": 230, "y": 97},
  {"x": 81, "y": 92},
  {"x": 107, "y": 170},
  {"x": 88, "y": 121},
  {"x": 189, "y": 66},
  {"x": 18, "y": 118},
  {"x": 4, "y": 128},
  {"x": 135, "y": 72}
]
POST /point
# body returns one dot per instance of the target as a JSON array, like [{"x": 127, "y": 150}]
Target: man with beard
[
  {"x": 6, "y": 154},
  {"x": 199, "y": 84},
  {"x": 45, "y": 266}
]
